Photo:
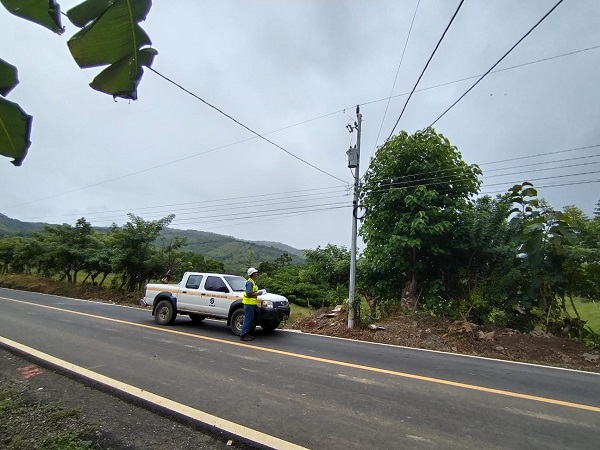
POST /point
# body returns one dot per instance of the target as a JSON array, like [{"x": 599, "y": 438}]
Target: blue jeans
[{"x": 248, "y": 319}]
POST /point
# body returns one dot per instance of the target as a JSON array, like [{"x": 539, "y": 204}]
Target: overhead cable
[
  {"x": 397, "y": 72},
  {"x": 246, "y": 127},
  {"x": 425, "y": 68},
  {"x": 448, "y": 83},
  {"x": 254, "y": 215},
  {"x": 497, "y": 62},
  {"x": 261, "y": 197},
  {"x": 568, "y": 150},
  {"x": 295, "y": 125}
]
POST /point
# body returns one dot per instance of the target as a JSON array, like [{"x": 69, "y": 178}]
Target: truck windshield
[{"x": 237, "y": 284}]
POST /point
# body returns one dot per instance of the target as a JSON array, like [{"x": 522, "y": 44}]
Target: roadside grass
[
  {"x": 27, "y": 425},
  {"x": 589, "y": 311},
  {"x": 299, "y": 312}
]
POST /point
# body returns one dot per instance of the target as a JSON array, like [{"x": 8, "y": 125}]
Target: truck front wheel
[
  {"x": 237, "y": 320},
  {"x": 165, "y": 313}
]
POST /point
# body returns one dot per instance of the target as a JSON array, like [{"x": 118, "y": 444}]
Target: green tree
[
  {"x": 416, "y": 188},
  {"x": 479, "y": 271},
  {"x": 583, "y": 258},
  {"x": 134, "y": 255},
  {"x": 66, "y": 249},
  {"x": 195, "y": 262},
  {"x": 98, "y": 258},
  {"x": 541, "y": 234},
  {"x": 329, "y": 265}
]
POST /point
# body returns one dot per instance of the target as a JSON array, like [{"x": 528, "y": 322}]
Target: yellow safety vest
[{"x": 250, "y": 300}]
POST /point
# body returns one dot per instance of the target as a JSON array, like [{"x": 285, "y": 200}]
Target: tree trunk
[
  {"x": 372, "y": 301},
  {"x": 409, "y": 294}
]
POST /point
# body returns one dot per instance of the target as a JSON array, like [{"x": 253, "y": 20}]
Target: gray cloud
[{"x": 273, "y": 64}]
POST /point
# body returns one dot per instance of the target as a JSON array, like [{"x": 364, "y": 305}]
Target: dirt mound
[{"x": 420, "y": 330}]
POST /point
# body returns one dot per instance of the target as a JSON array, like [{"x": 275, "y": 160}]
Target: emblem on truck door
[{"x": 212, "y": 302}]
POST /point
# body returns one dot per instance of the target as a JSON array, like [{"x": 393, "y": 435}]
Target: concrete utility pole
[{"x": 354, "y": 163}]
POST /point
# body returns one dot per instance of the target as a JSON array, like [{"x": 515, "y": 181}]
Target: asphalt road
[{"x": 313, "y": 391}]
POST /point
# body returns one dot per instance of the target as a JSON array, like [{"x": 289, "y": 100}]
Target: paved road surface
[{"x": 312, "y": 391}]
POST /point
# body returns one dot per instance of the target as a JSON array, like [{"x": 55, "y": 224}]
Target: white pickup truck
[{"x": 218, "y": 296}]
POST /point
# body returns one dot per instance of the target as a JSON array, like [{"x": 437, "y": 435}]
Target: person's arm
[{"x": 249, "y": 292}]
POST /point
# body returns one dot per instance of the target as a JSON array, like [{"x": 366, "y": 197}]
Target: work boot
[{"x": 246, "y": 338}]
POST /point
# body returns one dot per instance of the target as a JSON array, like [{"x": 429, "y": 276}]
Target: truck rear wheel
[{"x": 165, "y": 313}]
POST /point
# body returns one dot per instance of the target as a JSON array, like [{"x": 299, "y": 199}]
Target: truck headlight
[{"x": 268, "y": 304}]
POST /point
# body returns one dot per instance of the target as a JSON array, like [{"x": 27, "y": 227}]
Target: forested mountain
[
  {"x": 14, "y": 227},
  {"x": 235, "y": 254},
  {"x": 283, "y": 247}
]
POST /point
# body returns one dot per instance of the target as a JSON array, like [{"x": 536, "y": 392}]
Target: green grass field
[{"x": 588, "y": 310}]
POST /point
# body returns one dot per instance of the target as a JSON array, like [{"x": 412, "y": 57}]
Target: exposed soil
[{"x": 423, "y": 331}]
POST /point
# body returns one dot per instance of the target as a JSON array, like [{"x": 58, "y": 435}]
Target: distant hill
[
  {"x": 14, "y": 227},
  {"x": 282, "y": 247},
  {"x": 236, "y": 254}
]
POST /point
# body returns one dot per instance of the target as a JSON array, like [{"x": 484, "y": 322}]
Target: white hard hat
[{"x": 251, "y": 270}]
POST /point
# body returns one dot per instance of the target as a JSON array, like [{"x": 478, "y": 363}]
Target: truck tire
[
  {"x": 237, "y": 319},
  {"x": 270, "y": 326},
  {"x": 197, "y": 318},
  {"x": 165, "y": 313}
]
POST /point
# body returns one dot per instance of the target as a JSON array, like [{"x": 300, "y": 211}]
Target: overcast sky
[{"x": 273, "y": 65}]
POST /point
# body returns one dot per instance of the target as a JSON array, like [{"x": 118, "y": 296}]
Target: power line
[
  {"x": 542, "y": 154},
  {"x": 205, "y": 203},
  {"x": 425, "y": 68},
  {"x": 397, "y": 72},
  {"x": 270, "y": 219},
  {"x": 510, "y": 160},
  {"x": 298, "y": 124},
  {"x": 448, "y": 83},
  {"x": 544, "y": 186},
  {"x": 238, "y": 208},
  {"x": 244, "y": 126},
  {"x": 229, "y": 217},
  {"x": 509, "y": 184},
  {"x": 419, "y": 183},
  {"x": 451, "y": 179},
  {"x": 497, "y": 62}
]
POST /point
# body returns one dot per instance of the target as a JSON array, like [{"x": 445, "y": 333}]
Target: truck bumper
[{"x": 273, "y": 314}]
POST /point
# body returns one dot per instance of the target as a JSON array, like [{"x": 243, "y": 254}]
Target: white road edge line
[
  {"x": 541, "y": 366},
  {"x": 179, "y": 408}
]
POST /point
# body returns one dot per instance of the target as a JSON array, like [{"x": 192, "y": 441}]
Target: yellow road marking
[
  {"x": 333, "y": 362},
  {"x": 180, "y": 408}
]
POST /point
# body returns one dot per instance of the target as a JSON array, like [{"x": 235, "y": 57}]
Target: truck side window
[
  {"x": 215, "y": 284},
  {"x": 193, "y": 281}
]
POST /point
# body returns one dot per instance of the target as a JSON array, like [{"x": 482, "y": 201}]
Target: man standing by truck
[{"x": 250, "y": 301}]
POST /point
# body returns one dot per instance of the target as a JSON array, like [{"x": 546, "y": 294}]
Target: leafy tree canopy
[{"x": 415, "y": 189}]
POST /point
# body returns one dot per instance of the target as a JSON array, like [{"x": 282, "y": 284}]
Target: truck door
[
  {"x": 218, "y": 295},
  {"x": 190, "y": 295}
]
